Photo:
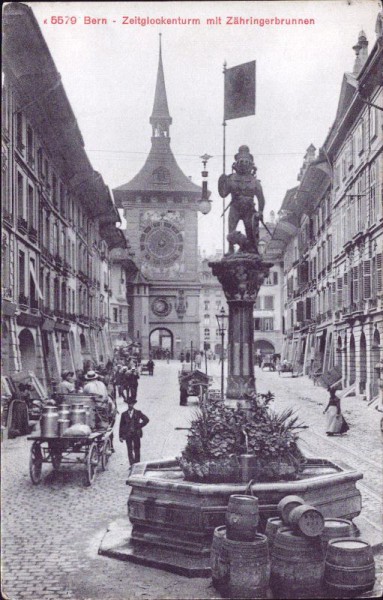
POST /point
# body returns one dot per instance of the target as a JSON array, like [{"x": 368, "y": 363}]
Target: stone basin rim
[{"x": 141, "y": 480}]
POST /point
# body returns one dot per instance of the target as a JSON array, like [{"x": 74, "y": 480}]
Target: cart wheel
[
  {"x": 91, "y": 463},
  {"x": 105, "y": 453},
  {"x": 36, "y": 463}
]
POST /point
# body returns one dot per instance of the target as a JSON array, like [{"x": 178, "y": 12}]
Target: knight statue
[{"x": 243, "y": 185}]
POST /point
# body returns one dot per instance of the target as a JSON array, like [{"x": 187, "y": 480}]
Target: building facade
[
  {"x": 355, "y": 149},
  {"x": 212, "y": 300},
  {"x": 330, "y": 236},
  {"x": 58, "y": 218},
  {"x": 160, "y": 205},
  {"x": 268, "y": 322}
]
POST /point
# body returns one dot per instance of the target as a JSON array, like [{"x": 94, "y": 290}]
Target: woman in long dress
[{"x": 336, "y": 423}]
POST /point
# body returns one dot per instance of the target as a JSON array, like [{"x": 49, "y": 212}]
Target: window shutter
[
  {"x": 355, "y": 282},
  {"x": 360, "y": 274},
  {"x": 275, "y": 278},
  {"x": 379, "y": 273},
  {"x": 339, "y": 296},
  {"x": 345, "y": 290},
  {"x": 333, "y": 295},
  {"x": 300, "y": 312},
  {"x": 308, "y": 308},
  {"x": 367, "y": 279}
]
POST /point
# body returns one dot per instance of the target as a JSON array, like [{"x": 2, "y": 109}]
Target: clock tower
[{"x": 161, "y": 210}]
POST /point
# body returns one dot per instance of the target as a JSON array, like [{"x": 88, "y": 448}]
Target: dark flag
[{"x": 240, "y": 91}]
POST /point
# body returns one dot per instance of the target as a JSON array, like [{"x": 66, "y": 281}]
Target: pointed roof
[
  {"x": 160, "y": 172},
  {"x": 160, "y": 106}
]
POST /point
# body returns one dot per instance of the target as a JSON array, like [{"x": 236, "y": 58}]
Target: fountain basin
[{"x": 173, "y": 520}]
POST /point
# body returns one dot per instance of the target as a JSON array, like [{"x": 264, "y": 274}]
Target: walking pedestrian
[
  {"x": 150, "y": 366},
  {"x": 336, "y": 423},
  {"x": 182, "y": 357},
  {"x": 187, "y": 356},
  {"x": 184, "y": 386},
  {"x": 131, "y": 424},
  {"x": 133, "y": 383}
]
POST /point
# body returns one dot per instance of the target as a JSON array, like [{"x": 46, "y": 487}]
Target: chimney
[{"x": 361, "y": 53}]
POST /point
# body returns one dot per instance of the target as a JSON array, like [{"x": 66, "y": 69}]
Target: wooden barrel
[
  {"x": 336, "y": 528},
  {"x": 297, "y": 565},
  {"x": 307, "y": 520},
  {"x": 242, "y": 517},
  {"x": 272, "y": 526},
  {"x": 248, "y": 568},
  {"x": 286, "y": 505},
  {"x": 218, "y": 559},
  {"x": 349, "y": 567}
]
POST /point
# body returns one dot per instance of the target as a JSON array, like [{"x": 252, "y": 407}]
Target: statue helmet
[{"x": 244, "y": 154}]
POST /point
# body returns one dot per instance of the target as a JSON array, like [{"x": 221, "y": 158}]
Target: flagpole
[{"x": 224, "y": 159}]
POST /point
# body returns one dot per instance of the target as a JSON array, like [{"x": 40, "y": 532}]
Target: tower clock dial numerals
[{"x": 161, "y": 243}]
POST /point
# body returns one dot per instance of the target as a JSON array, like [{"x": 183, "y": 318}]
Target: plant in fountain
[{"x": 219, "y": 435}]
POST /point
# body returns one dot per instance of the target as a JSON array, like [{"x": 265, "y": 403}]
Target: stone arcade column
[{"x": 241, "y": 275}]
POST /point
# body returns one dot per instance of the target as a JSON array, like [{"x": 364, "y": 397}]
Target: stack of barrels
[
  {"x": 240, "y": 562},
  {"x": 309, "y": 553}
]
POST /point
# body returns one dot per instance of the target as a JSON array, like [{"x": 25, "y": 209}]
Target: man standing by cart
[{"x": 131, "y": 425}]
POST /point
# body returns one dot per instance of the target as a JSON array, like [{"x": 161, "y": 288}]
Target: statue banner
[{"x": 240, "y": 91}]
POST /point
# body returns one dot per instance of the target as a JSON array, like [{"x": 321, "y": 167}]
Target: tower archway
[{"x": 161, "y": 342}]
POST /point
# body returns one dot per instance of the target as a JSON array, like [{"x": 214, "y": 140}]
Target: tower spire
[{"x": 160, "y": 118}]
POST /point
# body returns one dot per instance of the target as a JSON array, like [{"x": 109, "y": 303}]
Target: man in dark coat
[
  {"x": 133, "y": 383},
  {"x": 150, "y": 365},
  {"x": 131, "y": 424}
]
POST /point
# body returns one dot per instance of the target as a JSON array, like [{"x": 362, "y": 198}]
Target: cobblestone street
[{"x": 51, "y": 532}]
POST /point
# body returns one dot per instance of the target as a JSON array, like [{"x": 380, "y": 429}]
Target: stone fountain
[{"x": 171, "y": 520}]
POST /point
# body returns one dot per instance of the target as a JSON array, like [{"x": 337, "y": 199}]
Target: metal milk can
[
  {"x": 77, "y": 414},
  {"x": 48, "y": 423},
  {"x": 63, "y": 425}
]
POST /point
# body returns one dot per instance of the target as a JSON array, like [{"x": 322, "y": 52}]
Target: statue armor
[{"x": 243, "y": 186}]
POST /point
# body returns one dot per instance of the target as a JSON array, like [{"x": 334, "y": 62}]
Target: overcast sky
[{"x": 109, "y": 74}]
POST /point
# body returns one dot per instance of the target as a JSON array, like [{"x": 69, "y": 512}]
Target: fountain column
[{"x": 241, "y": 274}]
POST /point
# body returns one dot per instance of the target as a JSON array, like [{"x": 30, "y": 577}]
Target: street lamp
[
  {"x": 221, "y": 320},
  {"x": 204, "y": 204}
]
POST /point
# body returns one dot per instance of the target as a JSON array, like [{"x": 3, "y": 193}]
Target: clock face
[
  {"x": 161, "y": 243},
  {"x": 161, "y": 307}
]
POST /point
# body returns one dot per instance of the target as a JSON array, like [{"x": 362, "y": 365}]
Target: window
[
  {"x": 40, "y": 163},
  {"x": 206, "y": 333},
  {"x": 372, "y": 207},
  {"x": 54, "y": 190},
  {"x": 19, "y": 131},
  {"x": 258, "y": 303},
  {"x": 268, "y": 280},
  {"x": 115, "y": 315},
  {"x": 21, "y": 273},
  {"x": 257, "y": 324},
  {"x": 360, "y": 138},
  {"x": 206, "y": 319},
  {"x": 30, "y": 146},
  {"x": 268, "y": 324},
  {"x": 373, "y": 122},
  {"x": 218, "y": 304},
  {"x": 275, "y": 278},
  {"x": 206, "y": 304},
  {"x": 20, "y": 195},
  {"x": 31, "y": 207},
  {"x": 269, "y": 303}
]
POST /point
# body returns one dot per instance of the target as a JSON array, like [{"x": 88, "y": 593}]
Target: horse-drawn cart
[{"x": 87, "y": 450}]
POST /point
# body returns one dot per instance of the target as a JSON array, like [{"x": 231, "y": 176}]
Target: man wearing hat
[
  {"x": 66, "y": 386},
  {"x": 133, "y": 383},
  {"x": 131, "y": 425},
  {"x": 94, "y": 386}
]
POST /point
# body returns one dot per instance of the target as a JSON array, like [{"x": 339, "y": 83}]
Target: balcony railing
[
  {"x": 23, "y": 300},
  {"x": 22, "y": 224},
  {"x": 8, "y": 217},
  {"x": 32, "y": 234}
]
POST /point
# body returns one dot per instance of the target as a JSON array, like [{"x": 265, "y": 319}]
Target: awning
[{"x": 34, "y": 277}]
